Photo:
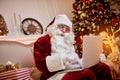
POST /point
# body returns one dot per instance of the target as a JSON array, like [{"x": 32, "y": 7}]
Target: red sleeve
[{"x": 41, "y": 51}]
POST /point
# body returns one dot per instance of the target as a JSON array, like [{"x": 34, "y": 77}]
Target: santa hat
[
  {"x": 59, "y": 19},
  {"x": 62, "y": 19}
]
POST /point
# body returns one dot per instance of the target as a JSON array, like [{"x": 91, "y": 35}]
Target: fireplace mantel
[{"x": 27, "y": 39}]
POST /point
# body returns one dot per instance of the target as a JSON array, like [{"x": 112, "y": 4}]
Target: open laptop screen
[{"x": 92, "y": 47}]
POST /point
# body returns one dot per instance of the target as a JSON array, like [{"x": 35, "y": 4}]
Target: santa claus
[{"x": 54, "y": 53}]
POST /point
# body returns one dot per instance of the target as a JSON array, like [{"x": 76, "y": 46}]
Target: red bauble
[
  {"x": 82, "y": 0},
  {"x": 88, "y": 1},
  {"x": 100, "y": 7},
  {"x": 78, "y": 40},
  {"x": 115, "y": 21},
  {"x": 106, "y": 22},
  {"x": 75, "y": 6}
]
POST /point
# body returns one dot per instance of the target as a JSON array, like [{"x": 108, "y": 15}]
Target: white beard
[{"x": 62, "y": 43}]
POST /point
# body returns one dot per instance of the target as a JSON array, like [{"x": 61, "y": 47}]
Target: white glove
[
  {"x": 63, "y": 56},
  {"x": 72, "y": 58},
  {"x": 71, "y": 66},
  {"x": 73, "y": 61},
  {"x": 102, "y": 57}
]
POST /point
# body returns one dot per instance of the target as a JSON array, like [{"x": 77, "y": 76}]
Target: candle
[
  {"x": 20, "y": 23},
  {"x": 20, "y": 19},
  {"x": 15, "y": 19}
]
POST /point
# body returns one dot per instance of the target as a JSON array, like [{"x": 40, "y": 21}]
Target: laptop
[{"x": 92, "y": 47}]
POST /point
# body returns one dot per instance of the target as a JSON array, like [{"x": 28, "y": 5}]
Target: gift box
[{"x": 18, "y": 74}]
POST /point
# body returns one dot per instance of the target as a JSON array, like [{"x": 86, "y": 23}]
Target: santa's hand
[
  {"x": 71, "y": 61},
  {"x": 68, "y": 65},
  {"x": 72, "y": 58},
  {"x": 71, "y": 66},
  {"x": 63, "y": 57}
]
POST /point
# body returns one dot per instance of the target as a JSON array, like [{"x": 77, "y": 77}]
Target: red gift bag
[{"x": 18, "y": 74}]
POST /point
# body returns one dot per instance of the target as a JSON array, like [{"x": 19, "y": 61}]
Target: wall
[
  {"x": 17, "y": 53},
  {"x": 42, "y": 10}
]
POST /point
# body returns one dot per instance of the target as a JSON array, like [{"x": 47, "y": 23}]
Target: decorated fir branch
[
  {"x": 3, "y": 26},
  {"x": 94, "y": 17},
  {"x": 91, "y": 17}
]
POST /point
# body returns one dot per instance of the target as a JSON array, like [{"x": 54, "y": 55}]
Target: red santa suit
[
  {"x": 51, "y": 65},
  {"x": 42, "y": 49}
]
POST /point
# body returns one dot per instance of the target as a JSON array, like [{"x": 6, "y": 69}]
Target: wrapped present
[
  {"x": 9, "y": 66},
  {"x": 2, "y": 68},
  {"x": 18, "y": 74}
]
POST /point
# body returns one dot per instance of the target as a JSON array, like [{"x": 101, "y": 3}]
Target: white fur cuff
[{"x": 54, "y": 63}]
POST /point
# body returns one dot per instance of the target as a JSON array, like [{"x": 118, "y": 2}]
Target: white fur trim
[
  {"x": 54, "y": 63},
  {"x": 57, "y": 77}
]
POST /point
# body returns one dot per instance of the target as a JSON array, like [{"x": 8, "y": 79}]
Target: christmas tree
[
  {"x": 95, "y": 17},
  {"x": 91, "y": 17}
]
